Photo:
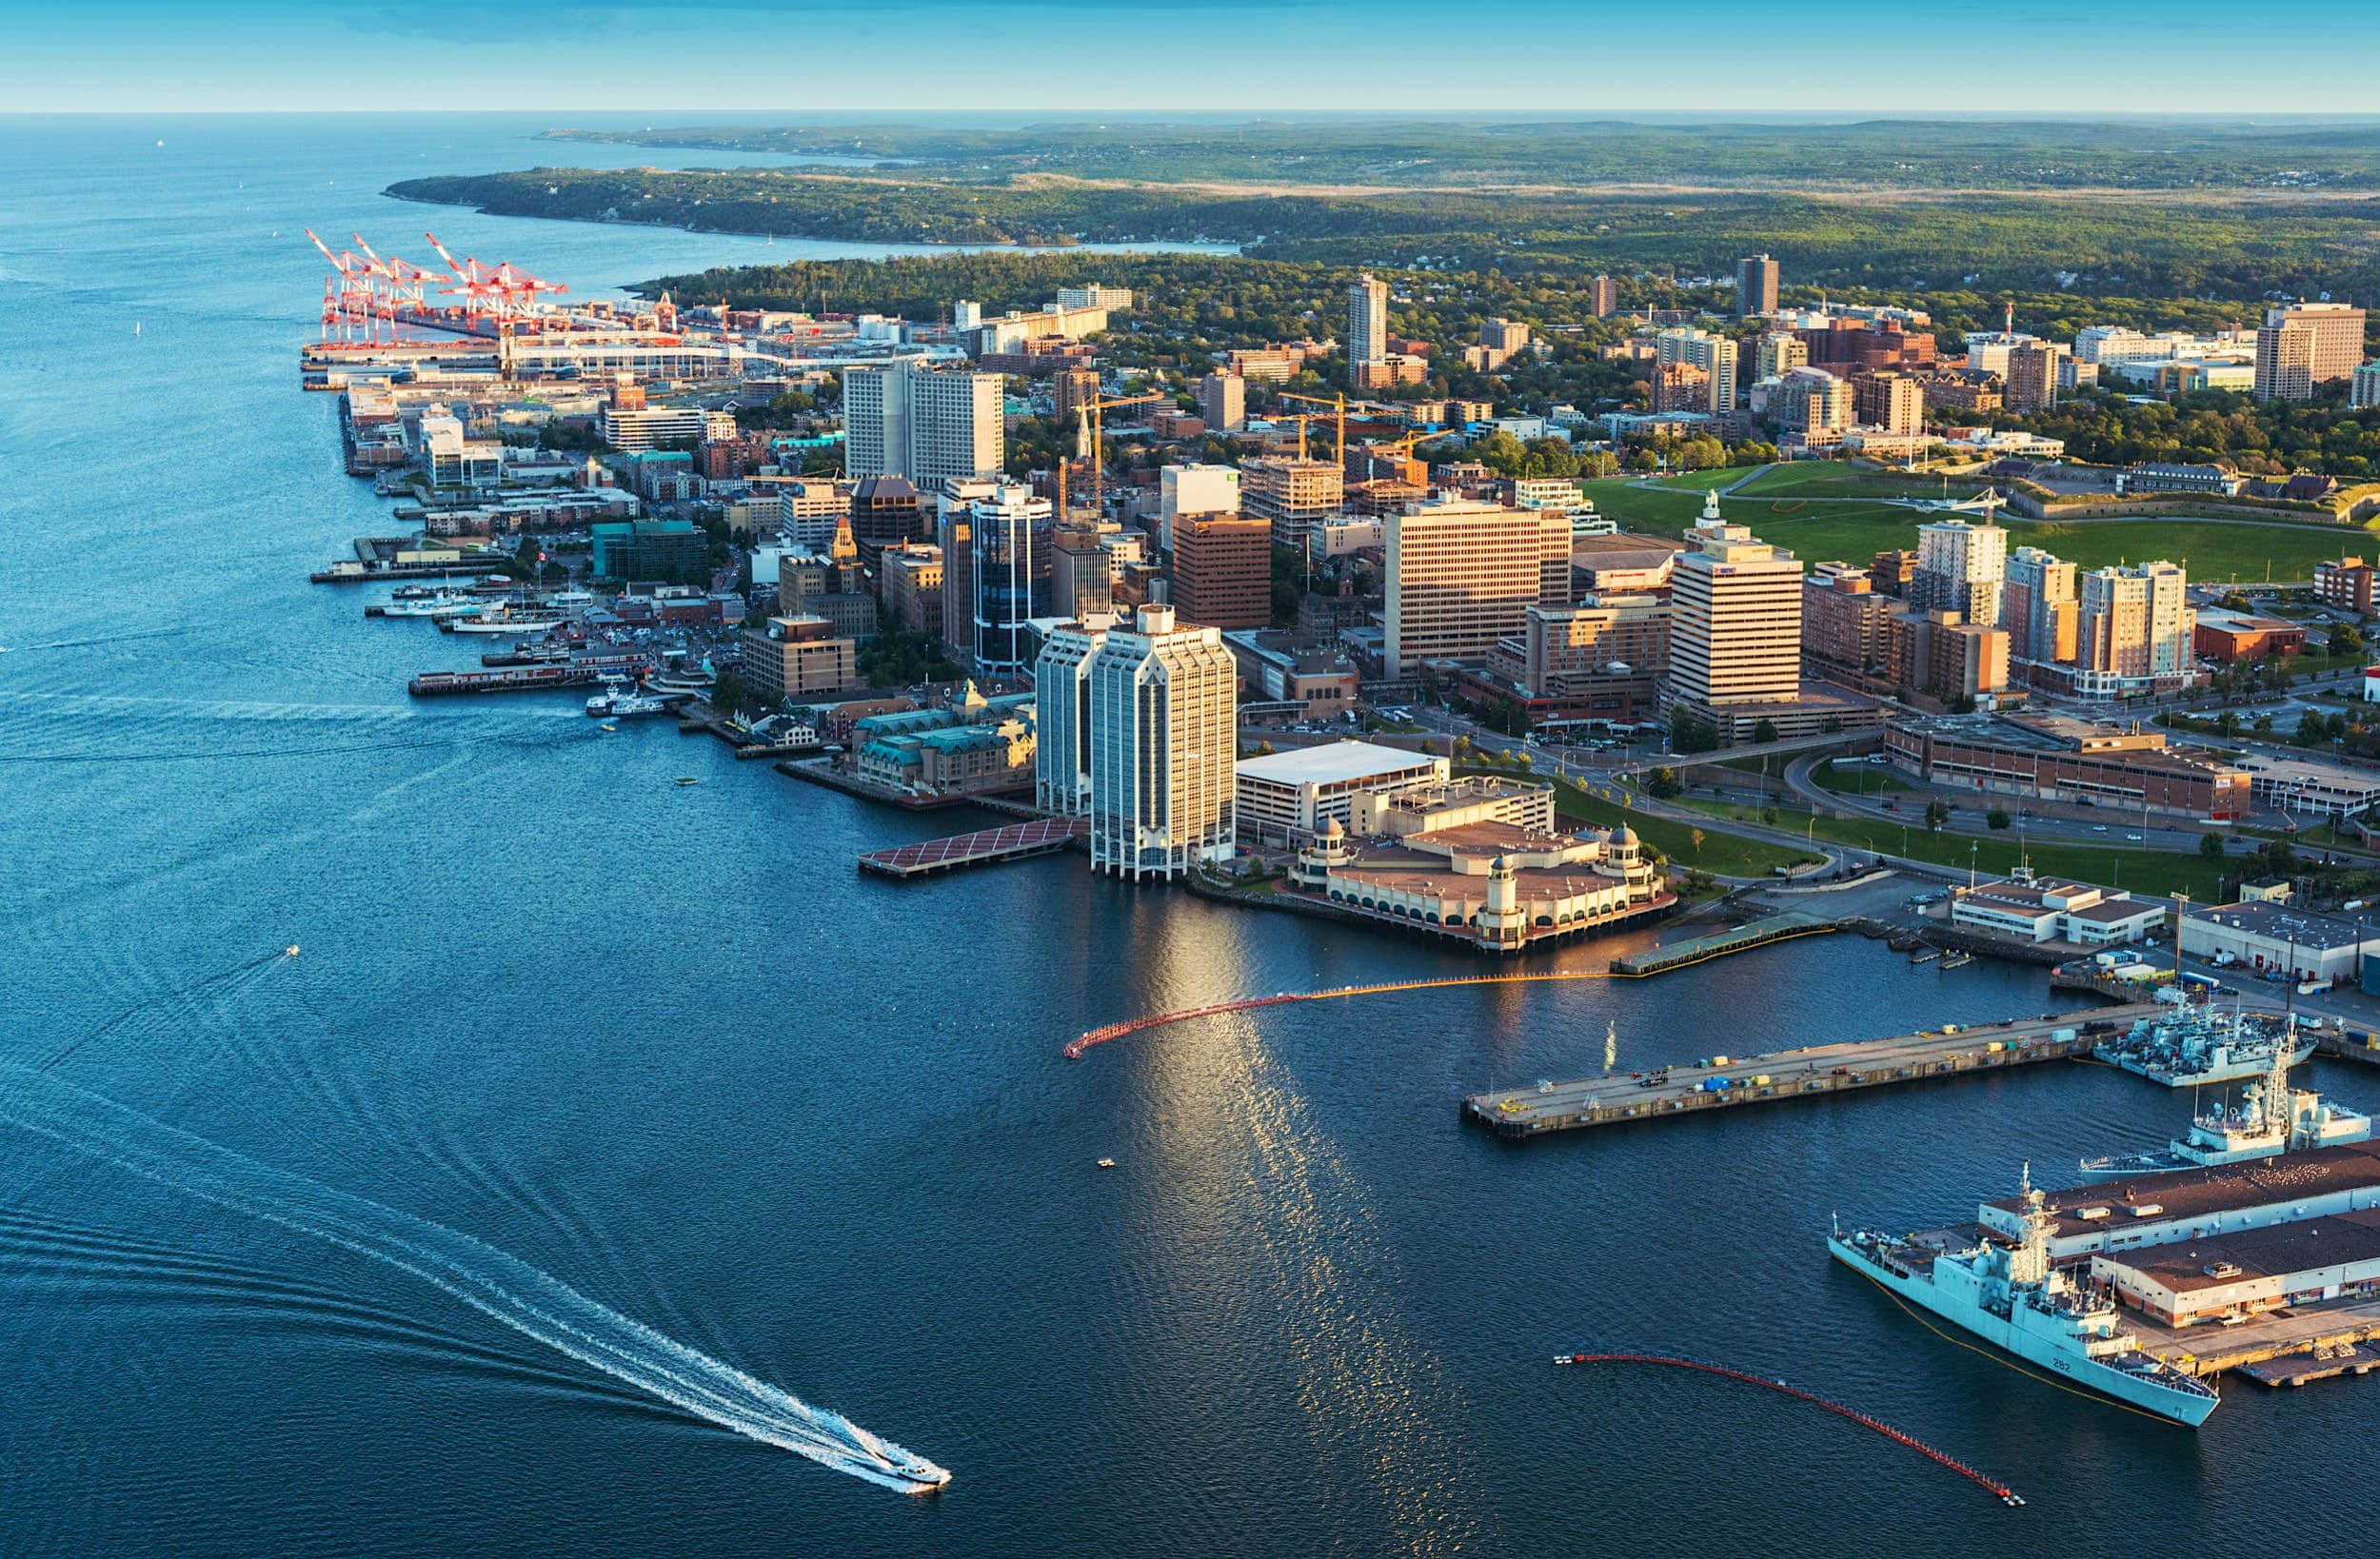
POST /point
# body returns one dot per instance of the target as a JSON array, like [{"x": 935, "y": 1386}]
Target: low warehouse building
[
  {"x": 2262, "y": 934},
  {"x": 1286, "y": 798},
  {"x": 2119, "y": 1215},
  {"x": 2252, "y": 1271}
]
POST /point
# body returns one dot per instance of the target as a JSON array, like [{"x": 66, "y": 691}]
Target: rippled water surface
[{"x": 661, "y": 1047}]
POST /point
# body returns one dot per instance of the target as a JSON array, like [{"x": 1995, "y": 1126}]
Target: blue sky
[{"x": 706, "y": 58}]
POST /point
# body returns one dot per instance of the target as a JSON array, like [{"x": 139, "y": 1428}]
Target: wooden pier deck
[
  {"x": 1011, "y": 842},
  {"x": 1774, "y": 928},
  {"x": 1795, "y": 1073}
]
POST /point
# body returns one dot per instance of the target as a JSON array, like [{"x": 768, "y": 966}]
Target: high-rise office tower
[
  {"x": 1461, "y": 575},
  {"x": 1164, "y": 748},
  {"x": 1002, "y": 524},
  {"x": 928, "y": 425},
  {"x": 1223, "y": 571},
  {"x": 1295, "y": 495},
  {"x": 1606, "y": 297},
  {"x": 1061, "y": 716},
  {"x": 1960, "y": 569},
  {"x": 1756, "y": 288},
  {"x": 1734, "y": 620}
]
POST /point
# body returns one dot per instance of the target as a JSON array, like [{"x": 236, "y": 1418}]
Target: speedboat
[{"x": 1107, "y": 1163}]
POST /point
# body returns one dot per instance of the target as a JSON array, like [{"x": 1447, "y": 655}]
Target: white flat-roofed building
[
  {"x": 1287, "y": 797},
  {"x": 2050, "y": 909},
  {"x": 639, "y": 428},
  {"x": 2304, "y": 787}
]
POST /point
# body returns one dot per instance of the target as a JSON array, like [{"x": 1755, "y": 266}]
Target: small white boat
[{"x": 1107, "y": 1163}]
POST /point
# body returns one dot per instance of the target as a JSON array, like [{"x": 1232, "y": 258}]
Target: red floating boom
[{"x": 2006, "y": 1495}]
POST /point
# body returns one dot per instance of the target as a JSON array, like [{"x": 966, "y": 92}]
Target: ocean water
[{"x": 662, "y": 1049}]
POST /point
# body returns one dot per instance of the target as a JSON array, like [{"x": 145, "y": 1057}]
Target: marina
[{"x": 1734, "y": 1082}]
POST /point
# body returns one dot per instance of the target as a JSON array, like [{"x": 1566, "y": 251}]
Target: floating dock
[
  {"x": 1774, "y": 928},
  {"x": 1012, "y": 841},
  {"x": 1796, "y": 1074}
]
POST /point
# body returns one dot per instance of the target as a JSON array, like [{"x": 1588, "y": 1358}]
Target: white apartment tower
[
  {"x": 1734, "y": 620},
  {"x": 1164, "y": 748},
  {"x": 928, "y": 425},
  {"x": 1367, "y": 322},
  {"x": 1960, "y": 569},
  {"x": 1061, "y": 716}
]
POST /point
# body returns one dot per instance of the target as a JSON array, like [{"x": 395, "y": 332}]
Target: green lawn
[
  {"x": 1866, "y": 780},
  {"x": 1814, "y": 508},
  {"x": 1827, "y": 479}
]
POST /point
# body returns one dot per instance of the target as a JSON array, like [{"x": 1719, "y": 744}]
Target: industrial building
[
  {"x": 2252, "y": 1272},
  {"x": 2055, "y": 759},
  {"x": 2264, "y": 935},
  {"x": 2112, "y": 1216}
]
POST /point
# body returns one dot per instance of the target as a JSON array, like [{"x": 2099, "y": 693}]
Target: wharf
[
  {"x": 822, "y": 771},
  {"x": 2348, "y": 1046},
  {"x": 1011, "y": 842},
  {"x": 1774, "y": 928},
  {"x": 2320, "y": 1365},
  {"x": 439, "y": 684},
  {"x": 2285, "y": 1347},
  {"x": 1795, "y": 1073}
]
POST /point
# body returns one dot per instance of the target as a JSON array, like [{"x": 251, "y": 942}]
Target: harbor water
[{"x": 660, "y": 1048}]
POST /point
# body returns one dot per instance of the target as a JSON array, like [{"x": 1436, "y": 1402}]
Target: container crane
[{"x": 349, "y": 298}]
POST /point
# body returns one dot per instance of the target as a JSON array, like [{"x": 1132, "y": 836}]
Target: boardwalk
[{"x": 1012, "y": 842}]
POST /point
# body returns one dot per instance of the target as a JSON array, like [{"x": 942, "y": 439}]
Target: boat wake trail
[{"x": 534, "y": 1303}]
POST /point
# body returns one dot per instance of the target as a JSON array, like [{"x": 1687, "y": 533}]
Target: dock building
[
  {"x": 2252, "y": 1272},
  {"x": 2114, "y": 1216},
  {"x": 1494, "y": 886}
]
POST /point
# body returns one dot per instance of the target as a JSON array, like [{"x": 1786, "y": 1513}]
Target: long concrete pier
[{"x": 1746, "y": 1080}]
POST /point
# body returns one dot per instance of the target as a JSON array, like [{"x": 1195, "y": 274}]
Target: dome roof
[
  {"x": 1625, "y": 837},
  {"x": 1332, "y": 831}
]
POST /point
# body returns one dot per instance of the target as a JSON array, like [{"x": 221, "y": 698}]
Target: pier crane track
[
  {"x": 2006, "y": 1494},
  {"x": 1134, "y": 1025}
]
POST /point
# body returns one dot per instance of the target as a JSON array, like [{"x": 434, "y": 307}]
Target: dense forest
[
  {"x": 2196, "y": 154},
  {"x": 2182, "y": 247}
]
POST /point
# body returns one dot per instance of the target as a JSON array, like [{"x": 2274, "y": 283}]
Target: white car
[
  {"x": 2098, "y": 828},
  {"x": 2135, "y": 837}
]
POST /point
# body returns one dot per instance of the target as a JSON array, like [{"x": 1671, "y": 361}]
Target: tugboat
[
  {"x": 2017, "y": 1301},
  {"x": 2273, "y": 1118}
]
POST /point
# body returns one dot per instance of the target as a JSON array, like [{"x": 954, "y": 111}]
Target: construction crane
[
  {"x": 1094, "y": 405},
  {"x": 1338, "y": 408},
  {"x": 1400, "y": 446}
]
